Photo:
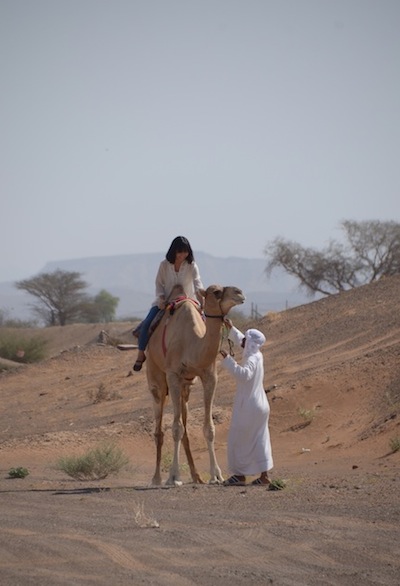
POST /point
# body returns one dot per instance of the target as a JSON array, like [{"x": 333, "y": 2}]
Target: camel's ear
[{"x": 202, "y": 292}]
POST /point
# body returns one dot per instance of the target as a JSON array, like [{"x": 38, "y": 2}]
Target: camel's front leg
[
  {"x": 177, "y": 427},
  {"x": 158, "y": 406},
  {"x": 196, "y": 478},
  {"x": 159, "y": 439},
  {"x": 209, "y": 384}
]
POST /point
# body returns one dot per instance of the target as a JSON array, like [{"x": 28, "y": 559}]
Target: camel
[{"x": 185, "y": 346}]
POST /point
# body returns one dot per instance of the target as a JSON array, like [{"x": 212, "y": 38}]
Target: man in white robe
[{"x": 249, "y": 444}]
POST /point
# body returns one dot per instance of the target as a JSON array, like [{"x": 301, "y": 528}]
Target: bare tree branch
[{"x": 371, "y": 251}]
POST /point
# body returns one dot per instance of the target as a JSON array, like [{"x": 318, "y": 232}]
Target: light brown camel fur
[{"x": 185, "y": 346}]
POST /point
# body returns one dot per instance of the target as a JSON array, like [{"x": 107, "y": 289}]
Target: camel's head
[{"x": 219, "y": 300}]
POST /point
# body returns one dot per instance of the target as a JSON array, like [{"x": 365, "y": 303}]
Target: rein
[{"x": 224, "y": 333}]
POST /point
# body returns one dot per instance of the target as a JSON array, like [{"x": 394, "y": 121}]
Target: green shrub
[
  {"x": 307, "y": 414},
  {"x": 19, "y": 472},
  {"x": 96, "y": 464},
  {"x": 277, "y": 484},
  {"x": 20, "y": 348}
]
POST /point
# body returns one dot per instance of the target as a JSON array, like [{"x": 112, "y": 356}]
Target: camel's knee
[{"x": 159, "y": 437}]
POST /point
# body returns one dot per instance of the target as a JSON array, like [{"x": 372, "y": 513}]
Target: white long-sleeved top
[
  {"x": 249, "y": 444},
  {"x": 188, "y": 276}
]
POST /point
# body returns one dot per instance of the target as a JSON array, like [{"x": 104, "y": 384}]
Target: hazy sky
[{"x": 124, "y": 123}]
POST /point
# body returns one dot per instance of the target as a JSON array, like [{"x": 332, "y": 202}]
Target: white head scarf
[{"x": 254, "y": 340}]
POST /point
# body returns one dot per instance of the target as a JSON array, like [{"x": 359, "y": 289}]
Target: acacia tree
[
  {"x": 60, "y": 295},
  {"x": 371, "y": 250}
]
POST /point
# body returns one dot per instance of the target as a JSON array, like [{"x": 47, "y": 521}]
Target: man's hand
[{"x": 228, "y": 323}]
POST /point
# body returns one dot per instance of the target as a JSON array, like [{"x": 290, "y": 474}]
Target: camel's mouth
[{"x": 240, "y": 297}]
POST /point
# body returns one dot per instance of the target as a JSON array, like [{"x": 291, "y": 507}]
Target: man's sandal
[
  {"x": 234, "y": 481},
  {"x": 138, "y": 365},
  {"x": 260, "y": 482}
]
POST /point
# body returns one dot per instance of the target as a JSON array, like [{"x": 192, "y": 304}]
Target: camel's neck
[{"x": 212, "y": 338}]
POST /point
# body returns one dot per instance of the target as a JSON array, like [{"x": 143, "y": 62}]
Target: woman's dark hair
[{"x": 179, "y": 244}]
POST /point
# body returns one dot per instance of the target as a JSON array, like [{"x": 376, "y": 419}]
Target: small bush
[
  {"x": 19, "y": 472},
  {"x": 395, "y": 444},
  {"x": 96, "y": 464},
  {"x": 14, "y": 322},
  {"x": 307, "y": 414},
  {"x": 20, "y": 348},
  {"x": 277, "y": 484},
  {"x": 102, "y": 394}
]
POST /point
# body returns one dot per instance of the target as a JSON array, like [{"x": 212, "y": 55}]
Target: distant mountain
[{"x": 131, "y": 278}]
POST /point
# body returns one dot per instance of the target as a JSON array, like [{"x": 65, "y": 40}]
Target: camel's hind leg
[
  {"x": 185, "y": 438},
  {"x": 209, "y": 384}
]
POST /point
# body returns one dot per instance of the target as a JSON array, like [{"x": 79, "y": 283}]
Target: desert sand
[{"x": 333, "y": 367}]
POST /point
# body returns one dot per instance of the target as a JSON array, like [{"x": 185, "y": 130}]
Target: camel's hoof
[
  {"x": 173, "y": 482},
  {"x": 216, "y": 481}
]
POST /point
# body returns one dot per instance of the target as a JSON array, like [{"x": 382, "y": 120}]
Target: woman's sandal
[
  {"x": 234, "y": 481},
  {"x": 138, "y": 364}
]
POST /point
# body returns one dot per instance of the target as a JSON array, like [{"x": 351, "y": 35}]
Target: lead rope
[{"x": 224, "y": 336}]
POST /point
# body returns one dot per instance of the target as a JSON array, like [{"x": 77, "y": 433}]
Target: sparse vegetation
[
  {"x": 11, "y": 322},
  {"x": 102, "y": 394},
  {"x": 395, "y": 444},
  {"x": 307, "y": 414},
  {"x": 143, "y": 519},
  {"x": 96, "y": 464},
  {"x": 277, "y": 484},
  {"x": 19, "y": 348},
  {"x": 19, "y": 472},
  {"x": 273, "y": 316}
]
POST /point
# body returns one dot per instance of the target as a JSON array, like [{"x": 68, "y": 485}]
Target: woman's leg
[{"x": 144, "y": 337}]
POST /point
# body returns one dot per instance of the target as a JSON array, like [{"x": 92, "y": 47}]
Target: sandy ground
[{"x": 335, "y": 365}]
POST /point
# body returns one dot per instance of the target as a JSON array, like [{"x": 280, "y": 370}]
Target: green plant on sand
[{"x": 95, "y": 464}]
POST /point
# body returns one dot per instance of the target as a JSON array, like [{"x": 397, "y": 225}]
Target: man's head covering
[{"x": 254, "y": 340}]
